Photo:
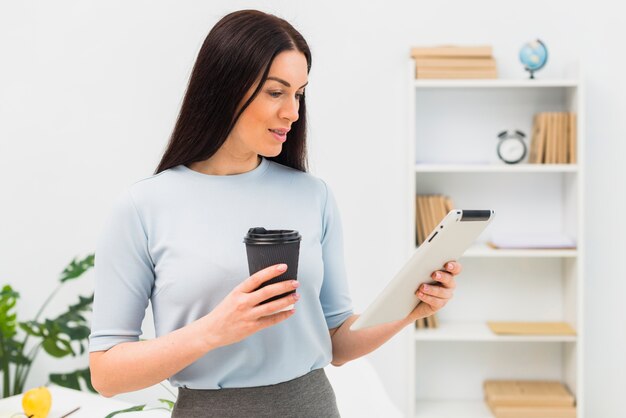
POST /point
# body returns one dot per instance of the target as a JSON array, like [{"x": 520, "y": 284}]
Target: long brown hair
[{"x": 239, "y": 48}]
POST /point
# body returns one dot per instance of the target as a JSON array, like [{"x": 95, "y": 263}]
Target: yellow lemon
[{"x": 37, "y": 402}]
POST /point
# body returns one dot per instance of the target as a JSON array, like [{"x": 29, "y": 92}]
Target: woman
[{"x": 176, "y": 239}]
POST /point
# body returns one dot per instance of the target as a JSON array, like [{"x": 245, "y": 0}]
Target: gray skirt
[{"x": 310, "y": 395}]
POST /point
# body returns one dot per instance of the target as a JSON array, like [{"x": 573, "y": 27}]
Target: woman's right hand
[{"x": 239, "y": 314}]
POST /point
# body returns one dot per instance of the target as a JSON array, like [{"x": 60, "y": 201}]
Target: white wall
[{"x": 89, "y": 92}]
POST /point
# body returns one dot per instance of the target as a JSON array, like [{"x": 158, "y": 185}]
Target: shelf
[
  {"x": 480, "y": 332},
  {"x": 484, "y": 251},
  {"x": 496, "y": 83},
  {"x": 457, "y": 159},
  {"x": 452, "y": 409},
  {"x": 496, "y": 168}
]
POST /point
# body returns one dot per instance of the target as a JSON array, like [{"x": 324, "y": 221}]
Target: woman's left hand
[{"x": 435, "y": 296}]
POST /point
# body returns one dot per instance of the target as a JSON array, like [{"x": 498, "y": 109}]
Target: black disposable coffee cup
[{"x": 275, "y": 246}]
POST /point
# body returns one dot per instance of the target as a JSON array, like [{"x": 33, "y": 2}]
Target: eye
[{"x": 277, "y": 94}]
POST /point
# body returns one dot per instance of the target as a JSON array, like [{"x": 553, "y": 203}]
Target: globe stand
[{"x": 532, "y": 73}]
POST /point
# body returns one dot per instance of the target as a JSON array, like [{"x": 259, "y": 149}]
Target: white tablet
[{"x": 447, "y": 242}]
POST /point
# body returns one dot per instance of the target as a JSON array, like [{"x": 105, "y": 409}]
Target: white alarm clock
[{"x": 511, "y": 146}]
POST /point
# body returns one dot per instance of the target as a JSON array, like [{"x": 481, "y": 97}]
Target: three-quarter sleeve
[
  {"x": 124, "y": 277},
  {"x": 334, "y": 295}
]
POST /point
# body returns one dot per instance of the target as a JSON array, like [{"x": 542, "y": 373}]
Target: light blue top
[{"x": 176, "y": 239}]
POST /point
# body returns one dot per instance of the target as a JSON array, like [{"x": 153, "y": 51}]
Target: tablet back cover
[{"x": 447, "y": 242}]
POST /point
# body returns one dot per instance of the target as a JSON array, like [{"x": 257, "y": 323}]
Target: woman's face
[{"x": 274, "y": 108}]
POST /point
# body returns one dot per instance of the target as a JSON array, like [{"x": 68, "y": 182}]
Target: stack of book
[
  {"x": 428, "y": 322},
  {"x": 530, "y": 328},
  {"x": 554, "y": 138},
  {"x": 458, "y": 62},
  {"x": 431, "y": 209},
  {"x": 529, "y": 399}
]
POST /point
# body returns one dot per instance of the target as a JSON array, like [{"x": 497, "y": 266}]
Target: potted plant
[{"x": 59, "y": 337}]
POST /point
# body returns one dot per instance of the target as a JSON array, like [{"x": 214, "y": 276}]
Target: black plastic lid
[{"x": 261, "y": 236}]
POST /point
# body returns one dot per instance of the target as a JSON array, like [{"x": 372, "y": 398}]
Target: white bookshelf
[
  {"x": 487, "y": 168},
  {"x": 495, "y": 84},
  {"x": 452, "y": 151},
  {"x": 484, "y": 251},
  {"x": 478, "y": 331}
]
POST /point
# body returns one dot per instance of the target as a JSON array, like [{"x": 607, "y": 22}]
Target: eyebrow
[{"x": 280, "y": 80}]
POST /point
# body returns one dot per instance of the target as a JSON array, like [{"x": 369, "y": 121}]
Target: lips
[
  {"x": 280, "y": 131},
  {"x": 280, "y": 138}
]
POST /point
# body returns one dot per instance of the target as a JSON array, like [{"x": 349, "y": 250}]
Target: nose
[{"x": 289, "y": 110}]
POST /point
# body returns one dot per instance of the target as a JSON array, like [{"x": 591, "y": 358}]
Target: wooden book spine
[
  {"x": 573, "y": 138},
  {"x": 452, "y": 51},
  {"x": 541, "y": 138},
  {"x": 419, "y": 226},
  {"x": 453, "y": 62}
]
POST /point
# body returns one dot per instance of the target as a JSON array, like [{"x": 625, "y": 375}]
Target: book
[
  {"x": 553, "y": 138},
  {"x": 540, "y": 157},
  {"x": 468, "y": 73},
  {"x": 527, "y": 393},
  {"x": 533, "y": 411},
  {"x": 419, "y": 219},
  {"x": 435, "y": 321},
  {"x": 453, "y": 62},
  {"x": 568, "y": 133},
  {"x": 572, "y": 138},
  {"x": 550, "y": 139},
  {"x": 452, "y": 51},
  {"x": 530, "y": 328},
  {"x": 564, "y": 138},
  {"x": 428, "y": 322},
  {"x": 532, "y": 152},
  {"x": 433, "y": 215},
  {"x": 429, "y": 211},
  {"x": 420, "y": 323},
  {"x": 558, "y": 138}
]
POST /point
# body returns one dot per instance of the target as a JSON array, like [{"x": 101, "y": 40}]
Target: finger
[
  {"x": 272, "y": 290},
  {"x": 444, "y": 278},
  {"x": 268, "y": 321},
  {"x": 257, "y": 279},
  {"x": 436, "y": 291},
  {"x": 434, "y": 302},
  {"x": 275, "y": 305},
  {"x": 453, "y": 267}
]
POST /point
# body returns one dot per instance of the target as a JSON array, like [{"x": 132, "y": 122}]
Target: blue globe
[{"x": 534, "y": 56}]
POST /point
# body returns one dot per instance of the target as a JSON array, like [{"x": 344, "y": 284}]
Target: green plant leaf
[
  {"x": 8, "y": 299},
  {"x": 31, "y": 328},
  {"x": 72, "y": 380},
  {"x": 132, "y": 409},
  {"x": 51, "y": 346},
  {"x": 15, "y": 352},
  {"x": 77, "y": 268},
  {"x": 59, "y": 333},
  {"x": 67, "y": 380},
  {"x": 169, "y": 403}
]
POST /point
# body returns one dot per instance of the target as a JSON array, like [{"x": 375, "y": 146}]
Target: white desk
[{"x": 91, "y": 405}]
